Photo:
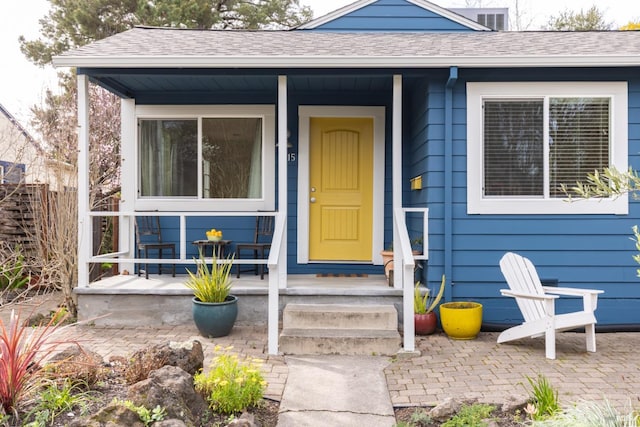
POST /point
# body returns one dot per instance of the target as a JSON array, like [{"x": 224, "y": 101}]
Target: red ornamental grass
[{"x": 22, "y": 349}]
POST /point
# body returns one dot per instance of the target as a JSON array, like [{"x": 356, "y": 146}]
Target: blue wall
[
  {"x": 392, "y": 15},
  {"x": 592, "y": 251}
]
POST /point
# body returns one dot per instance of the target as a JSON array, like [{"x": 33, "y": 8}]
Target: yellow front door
[{"x": 341, "y": 189}]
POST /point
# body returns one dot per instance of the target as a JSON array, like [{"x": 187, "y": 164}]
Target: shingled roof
[{"x": 148, "y": 47}]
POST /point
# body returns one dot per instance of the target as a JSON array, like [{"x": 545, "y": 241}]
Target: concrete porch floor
[
  {"x": 247, "y": 283},
  {"x": 129, "y": 300}
]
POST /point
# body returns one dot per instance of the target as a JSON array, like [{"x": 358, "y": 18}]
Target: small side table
[{"x": 217, "y": 248}]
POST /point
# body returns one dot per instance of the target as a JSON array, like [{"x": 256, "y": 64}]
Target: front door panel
[{"x": 341, "y": 189}]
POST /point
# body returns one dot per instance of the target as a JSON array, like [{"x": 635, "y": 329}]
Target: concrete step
[
  {"x": 363, "y": 342},
  {"x": 340, "y": 316},
  {"x": 346, "y": 329}
]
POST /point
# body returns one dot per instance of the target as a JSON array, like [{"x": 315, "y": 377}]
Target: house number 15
[{"x": 291, "y": 157}]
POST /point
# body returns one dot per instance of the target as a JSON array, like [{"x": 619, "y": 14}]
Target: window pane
[
  {"x": 232, "y": 158},
  {"x": 168, "y": 157},
  {"x": 513, "y": 151},
  {"x": 578, "y": 140}
]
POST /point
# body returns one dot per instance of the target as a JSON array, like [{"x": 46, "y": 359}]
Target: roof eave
[{"x": 500, "y": 61}]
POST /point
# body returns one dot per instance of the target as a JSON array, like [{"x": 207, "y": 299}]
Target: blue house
[{"x": 350, "y": 128}]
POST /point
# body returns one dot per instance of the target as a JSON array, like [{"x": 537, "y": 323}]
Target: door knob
[{"x": 312, "y": 200}]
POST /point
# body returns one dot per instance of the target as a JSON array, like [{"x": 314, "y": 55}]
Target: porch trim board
[{"x": 305, "y": 113}]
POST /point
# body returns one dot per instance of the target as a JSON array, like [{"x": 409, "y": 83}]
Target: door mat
[{"x": 341, "y": 275}]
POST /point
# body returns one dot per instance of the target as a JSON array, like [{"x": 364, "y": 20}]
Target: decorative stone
[
  {"x": 171, "y": 388},
  {"x": 245, "y": 420},
  {"x": 449, "y": 407},
  {"x": 187, "y": 355}
]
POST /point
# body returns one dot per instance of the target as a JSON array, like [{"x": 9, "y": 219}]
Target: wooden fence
[
  {"x": 20, "y": 206},
  {"x": 25, "y": 210}
]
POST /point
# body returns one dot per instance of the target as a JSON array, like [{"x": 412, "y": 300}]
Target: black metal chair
[
  {"x": 260, "y": 246},
  {"x": 149, "y": 238}
]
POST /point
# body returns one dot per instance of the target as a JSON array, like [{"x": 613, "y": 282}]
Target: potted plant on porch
[
  {"x": 425, "y": 319},
  {"x": 214, "y": 308},
  {"x": 387, "y": 258}
]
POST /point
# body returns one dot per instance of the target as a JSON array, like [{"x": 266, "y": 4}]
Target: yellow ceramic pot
[{"x": 461, "y": 320}]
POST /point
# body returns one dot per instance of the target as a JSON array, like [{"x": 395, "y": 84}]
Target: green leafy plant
[
  {"x": 636, "y": 240},
  {"x": 22, "y": 351},
  {"x": 210, "y": 284},
  {"x": 55, "y": 399},
  {"x": 425, "y": 303},
  {"x": 12, "y": 272},
  {"x": 231, "y": 386},
  {"x": 146, "y": 415},
  {"x": 590, "y": 414},
  {"x": 470, "y": 416},
  {"x": 420, "y": 418},
  {"x": 543, "y": 398}
]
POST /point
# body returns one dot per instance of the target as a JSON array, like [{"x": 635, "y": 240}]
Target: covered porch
[{"x": 289, "y": 191}]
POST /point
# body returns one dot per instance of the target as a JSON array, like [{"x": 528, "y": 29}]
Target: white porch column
[
  {"x": 85, "y": 247},
  {"x": 128, "y": 179},
  {"x": 280, "y": 281},
  {"x": 396, "y": 167},
  {"x": 283, "y": 166}
]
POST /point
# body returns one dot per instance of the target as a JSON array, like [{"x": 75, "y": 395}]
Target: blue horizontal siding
[
  {"x": 592, "y": 251},
  {"x": 391, "y": 15}
]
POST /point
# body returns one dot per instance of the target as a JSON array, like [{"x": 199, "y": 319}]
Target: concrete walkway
[{"x": 336, "y": 391}]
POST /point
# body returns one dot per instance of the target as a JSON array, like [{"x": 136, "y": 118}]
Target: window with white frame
[
  {"x": 192, "y": 155},
  {"x": 526, "y": 140}
]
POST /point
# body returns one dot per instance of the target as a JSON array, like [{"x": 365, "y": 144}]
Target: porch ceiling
[{"x": 201, "y": 85}]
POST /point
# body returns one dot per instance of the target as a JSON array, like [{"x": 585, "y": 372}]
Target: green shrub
[
  {"x": 55, "y": 399},
  {"x": 12, "y": 272},
  {"x": 543, "y": 398},
  {"x": 231, "y": 386},
  {"x": 147, "y": 416},
  {"x": 589, "y": 414},
  {"x": 470, "y": 416}
]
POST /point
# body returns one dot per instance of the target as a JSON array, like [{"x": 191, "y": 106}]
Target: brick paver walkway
[
  {"x": 493, "y": 372},
  {"x": 477, "y": 368}
]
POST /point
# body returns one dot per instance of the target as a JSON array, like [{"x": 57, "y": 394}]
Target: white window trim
[
  {"x": 477, "y": 92},
  {"x": 265, "y": 112}
]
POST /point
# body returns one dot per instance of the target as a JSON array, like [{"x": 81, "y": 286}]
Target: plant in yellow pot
[
  {"x": 425, "y": 319},
  {"x": 461, "y": 320}
]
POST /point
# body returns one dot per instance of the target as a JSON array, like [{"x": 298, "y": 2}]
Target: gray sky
[{"x": 22, "y": 84}]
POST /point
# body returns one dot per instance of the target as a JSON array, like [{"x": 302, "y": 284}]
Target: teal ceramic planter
[{"x": 215, "y": 319}]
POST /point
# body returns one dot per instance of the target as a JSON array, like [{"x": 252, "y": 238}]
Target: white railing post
[
  {"x": 275, "y": 258},
  {"x": 85, "y": 247},
  {"x": 128, "y": 136},
  {"x": 396, "y": 165},
  {"x": 405, "y": 276}
]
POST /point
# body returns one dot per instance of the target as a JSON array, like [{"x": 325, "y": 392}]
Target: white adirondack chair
[{"x": 537, "y": 304}]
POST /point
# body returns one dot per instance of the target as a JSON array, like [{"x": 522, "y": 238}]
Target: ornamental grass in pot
[
  {"x": 425, "y": 319},
  {"x": 214, "y": 308}
]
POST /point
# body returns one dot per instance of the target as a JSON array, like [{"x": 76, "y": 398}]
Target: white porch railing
[
  {"x": 403, "y": 256},
  {"x": 126, "y": 254},
  {"x": 277, "y": 279}
]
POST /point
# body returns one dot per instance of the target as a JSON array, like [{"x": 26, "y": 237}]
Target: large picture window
[
  {"x": 525, "y": 141},
  {"x": 206, "y": 154}
]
